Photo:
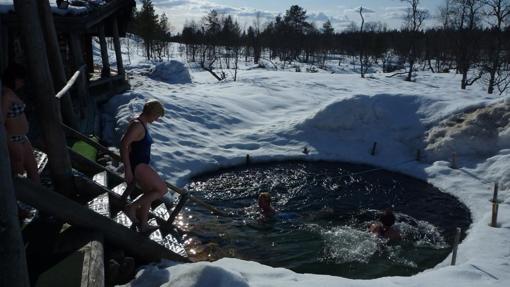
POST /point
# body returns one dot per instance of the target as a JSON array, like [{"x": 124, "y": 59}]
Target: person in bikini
[
  {"x": 135, "y": 151},
  {"x": 21, "y": 152}
]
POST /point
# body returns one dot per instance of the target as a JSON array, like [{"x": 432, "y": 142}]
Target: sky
[{"x": 340, "y": 12}]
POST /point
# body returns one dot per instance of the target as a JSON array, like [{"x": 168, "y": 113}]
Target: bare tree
[
  {"x": 361, "y": 50},
  {"x": 498, "y": 13},
  {"x": 414, "y": 19},
  {"x": 466, "y": 19}
]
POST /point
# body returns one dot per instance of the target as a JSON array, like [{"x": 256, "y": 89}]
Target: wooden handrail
[
  {"x": 116, "y": 156},
  {"x": 70, "y": 83}
]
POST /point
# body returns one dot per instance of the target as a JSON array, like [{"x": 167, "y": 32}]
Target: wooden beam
[
  {"x": 103, "y": 81},
  {"x": 56, "y": 62},
  {"x": 93, "y": 263},
  {"x": 40, "y": 79},
  {"x": 116, "y": 44},
  {"x": 4, "y": 46},
  {"x": 81, "y": 86},
  {"x": 83, "y": 23},
  {"x": 13, "y": 264},
  {"x": 61, "y": 207},
  {"x": 105, "y": 71}
]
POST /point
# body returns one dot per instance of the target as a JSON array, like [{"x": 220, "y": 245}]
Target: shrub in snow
[{"x": 172, "y": 72}]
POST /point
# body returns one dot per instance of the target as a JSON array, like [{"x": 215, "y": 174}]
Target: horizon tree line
[{"x": 472, "y": 39}]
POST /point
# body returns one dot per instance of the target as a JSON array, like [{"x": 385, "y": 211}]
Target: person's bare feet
[
  {"x": 147, "y": 228},
  {"x": 130, "y": 211}
]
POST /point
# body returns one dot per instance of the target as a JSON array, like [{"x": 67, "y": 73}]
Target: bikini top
[{"x": 15, "y": 110}]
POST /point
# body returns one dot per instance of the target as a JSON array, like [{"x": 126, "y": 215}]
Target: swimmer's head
[
  {"x": 264, "y": 200},
  {"x": 388, "y": 218}
]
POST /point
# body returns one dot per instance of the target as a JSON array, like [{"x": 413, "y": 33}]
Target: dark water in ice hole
[{"x": 324, "y": 210}]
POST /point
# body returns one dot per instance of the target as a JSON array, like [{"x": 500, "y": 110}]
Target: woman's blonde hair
[
  {"x": 153, "y": 107},
  {"x": 265, "y": 196}
]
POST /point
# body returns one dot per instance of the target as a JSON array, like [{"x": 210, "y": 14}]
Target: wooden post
[
  {"x": 56, "y": 62},
  {"x": 182, "y": 200},
  {"x": 116, "y": 44},
  {"x": 105, "y": 71},
  {"x": 418, "y": 155},
  {"x": 495, "y": 206},
  {"x": 13, "y": 264},
  {"x": 42, "y": 83},
  {"x": 453, "y": 163},
  {"x": 4, "y": 47},
  {"x": 93, "y": 263},
  {"x": 81, "y": 85},
  {"x": 455, "y": 246},
  {"x": 374, "y": 147},
  {"x": 248, "y": 160}
]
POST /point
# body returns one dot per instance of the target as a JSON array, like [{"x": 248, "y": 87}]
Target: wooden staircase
[{"x": 101, "y": 195}]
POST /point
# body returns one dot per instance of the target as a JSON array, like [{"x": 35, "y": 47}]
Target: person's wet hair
[
  {"x": 265, "y": 196},
  {"x": 387, "y": 218}
]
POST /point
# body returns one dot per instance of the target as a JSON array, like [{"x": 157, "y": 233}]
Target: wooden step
[
  {"x": 161, "y": 211},
  {"x": 169, "y": 242},
  {"x": 101, "y": 204},
  {"x": 42, "y": 160},
  {"x": 119, "y": 189},
  {"x": 117, "y": 204},
  {"x": 75, "y": 214},
  {"x": 122, "y": 219},
  {"x": 101, "y": 178}
]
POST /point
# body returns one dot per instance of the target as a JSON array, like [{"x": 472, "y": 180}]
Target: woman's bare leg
[{"x": 153, "y": 188}]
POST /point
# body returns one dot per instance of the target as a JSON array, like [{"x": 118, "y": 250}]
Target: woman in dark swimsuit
[
  {"x": 21, "y": 152},
  {"x": 135, "y": 151}
]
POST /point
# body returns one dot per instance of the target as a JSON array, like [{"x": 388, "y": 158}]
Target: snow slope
[{"x": 274, "y": 114}]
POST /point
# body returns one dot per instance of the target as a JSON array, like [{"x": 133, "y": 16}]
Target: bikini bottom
[{"x": 18, "y": 139}]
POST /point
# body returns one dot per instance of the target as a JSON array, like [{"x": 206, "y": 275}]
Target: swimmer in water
[
  {"x": 385, "y": 228},
  {"x": 266, "y": 210}
]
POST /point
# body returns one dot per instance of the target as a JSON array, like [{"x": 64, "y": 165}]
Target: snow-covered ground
[{"x": 272, "y": 114}]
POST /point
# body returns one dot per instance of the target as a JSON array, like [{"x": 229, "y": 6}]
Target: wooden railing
[
  {"x": 116, "y": 157},
  {"x": 70, "y": 83}
]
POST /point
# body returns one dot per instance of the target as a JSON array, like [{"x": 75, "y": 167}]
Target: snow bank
[
  {"x": 274, "y": 114},
  {"x": 172, "y": 72},
  {"x": 201, "y": 275},
  {"x": 482, "y": 131},
  {"x": 361, "y": 112}
]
